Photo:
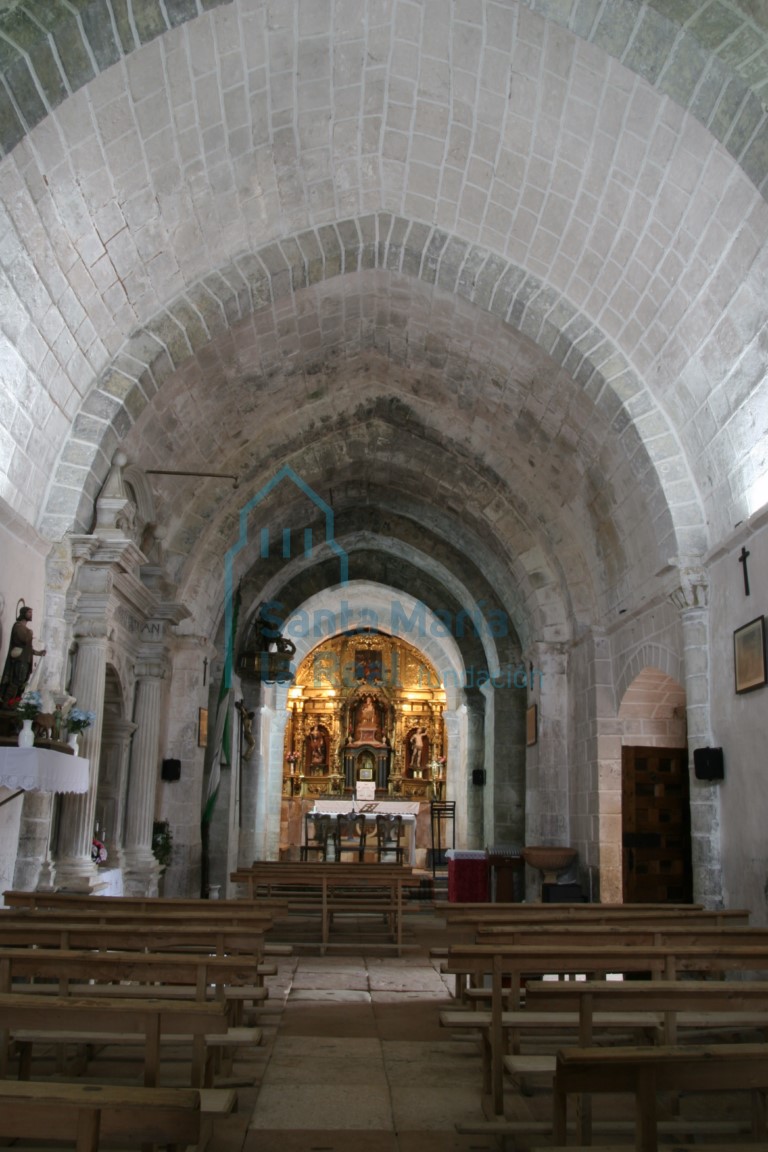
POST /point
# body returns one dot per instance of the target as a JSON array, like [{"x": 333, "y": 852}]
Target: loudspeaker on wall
[
  {"x": 170, "y": 770},
  {"x": 708, "y": 763},
  {"x": 478, "y": 775}
]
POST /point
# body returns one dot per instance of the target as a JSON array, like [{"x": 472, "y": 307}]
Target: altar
[
  {"x": 42, "y": 770},
  {"x": 409, "y": 810}
]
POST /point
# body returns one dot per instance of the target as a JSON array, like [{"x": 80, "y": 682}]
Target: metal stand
[{"x": 441, "y": 810}]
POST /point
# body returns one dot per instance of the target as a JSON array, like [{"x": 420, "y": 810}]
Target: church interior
[{"x": 384, "y": 426}]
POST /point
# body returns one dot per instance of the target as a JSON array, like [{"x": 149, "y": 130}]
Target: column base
[
  {"x": 76, "y": 874},
  {"x": 141, "y": 872}
]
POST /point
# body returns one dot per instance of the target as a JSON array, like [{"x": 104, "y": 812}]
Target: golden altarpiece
[{"x": 365, "y": 708}]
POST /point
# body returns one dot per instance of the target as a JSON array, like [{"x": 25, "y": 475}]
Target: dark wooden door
[{"x": 656, "y": 825}]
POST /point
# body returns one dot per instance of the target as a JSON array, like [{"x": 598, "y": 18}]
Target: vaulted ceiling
[{"x": 490, "y": 281}]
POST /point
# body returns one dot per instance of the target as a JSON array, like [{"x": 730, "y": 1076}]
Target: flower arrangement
[
  {"x": 162, "y": 843},
  {"x": 78, "y": 720},
  {"x": 29, "y": 705},
  {"x": 98, "y": 852}
]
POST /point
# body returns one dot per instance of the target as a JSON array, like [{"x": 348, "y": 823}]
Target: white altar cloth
[
  {"x": 385, "y": 807},
  {"x": 42, "y": 770}
]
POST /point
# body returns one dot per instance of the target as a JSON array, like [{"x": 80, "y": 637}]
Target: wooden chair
[
  {"x": 389, "y": 838},
  {"x": 318, "y": 830},
  {"x": 349, "y": 835}
]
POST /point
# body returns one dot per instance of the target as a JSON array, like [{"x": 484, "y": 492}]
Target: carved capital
[
  {"x": 693, "y": 590},
  {"x": 150, "y": 669},
  {"x": 86, "y": 629}
]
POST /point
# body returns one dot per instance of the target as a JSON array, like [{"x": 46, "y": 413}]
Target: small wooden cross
[{"x": 743, "y": 560}]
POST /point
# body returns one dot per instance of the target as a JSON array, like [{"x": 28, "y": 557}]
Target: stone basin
[{"x": 549, "y": 859}]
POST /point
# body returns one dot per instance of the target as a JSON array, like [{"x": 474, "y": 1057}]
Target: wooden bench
[
  {"x": 693, "y": 1004},
  {"x": 89, "y": 1115},
  {"x": 510, "y": 962},
  {"x": 472, "y": 920},
  {"x": 171, "y": 909},
  {"x": 27, "y": 1019},
  {"x": 15, "y": 898},
  {"x": 331, "y": 890},
  {"x": 646, "y": 1071},
  {"x": 696, "y": 1005},
  {"x": 133, "y": 975},
  {"x": 155, "y": 936}
]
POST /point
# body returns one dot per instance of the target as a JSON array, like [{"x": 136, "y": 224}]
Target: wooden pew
[
  {"x": 333, "y": 889},
  {"x": 469, "y": 919},
  {"x": 15, "y": 898},
  {"x": 154, "y": 936},
  {"x": 679, "y": 1003},
  {"x": 474, "y": 915},
  {"x": 228, "y": 979},
  {"x": 510, "y": 962},
  {"x": 644, "y": 1072},
  {"x": 28, "y": 1019},
  {"x": 89, "y": 1115}
]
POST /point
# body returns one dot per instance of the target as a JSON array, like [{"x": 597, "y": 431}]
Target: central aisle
[{"x": 357, "y": 1060}]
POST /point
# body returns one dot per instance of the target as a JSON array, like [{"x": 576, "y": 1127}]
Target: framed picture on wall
[
  {"x": 531, "y": 725},
  {"x": 202, "y": 727},
  {"x": 749, "y": 655}
]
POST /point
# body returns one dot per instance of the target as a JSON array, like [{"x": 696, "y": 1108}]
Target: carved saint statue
[
  {"x": 417, "y": 742},
  {"x": 21, "y": 654},
  {"x": 316, "y": 750}
]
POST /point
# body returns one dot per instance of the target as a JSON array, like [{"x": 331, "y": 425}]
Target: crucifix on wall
[{"x": 743, "y": 557}]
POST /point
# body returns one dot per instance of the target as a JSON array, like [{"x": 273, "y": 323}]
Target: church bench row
[
  {"x": 155, "y": 936},
  {"x": 57, "y": 1020},
  {"x": 487, "y": 914},
  {"x": 508, "y": 963},
  {"x": 90, "y": 1116},
  {"x": 333, "y": 889},
  {"x": 262, "y": 919},
  {"x": 229, "y": 979},
  {"x": 142, "y": 905},
  {"x": 582, "y": 1007},
  {"x": 645, "y": 1072},
  {"x": 606, "y": 929},
  {"x": 173, "y": 910}
]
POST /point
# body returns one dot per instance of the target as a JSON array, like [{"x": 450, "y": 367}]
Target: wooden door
[{"x": 656, "y": 825}]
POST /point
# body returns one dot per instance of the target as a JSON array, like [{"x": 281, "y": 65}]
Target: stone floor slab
[{"x": 323, "y": 1106}]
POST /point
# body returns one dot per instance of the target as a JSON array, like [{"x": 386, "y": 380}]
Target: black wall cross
[{"x": 743, "y": 560}]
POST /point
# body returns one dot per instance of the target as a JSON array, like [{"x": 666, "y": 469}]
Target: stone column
[
  {"x": 547, "y": 816},
  {"x": 74, "y": 867},
  {"x": 141, "y": 870},
  {"x": 469, "y": 815},
  {"x": 113, "y": 775},
  {"x": 692, "y": 599},
  {"x": 180, "y": 801},
  {"x": 253, "y": 770}
]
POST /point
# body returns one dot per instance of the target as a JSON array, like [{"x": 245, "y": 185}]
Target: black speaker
[
  {"x": 170, "y": 770},
  {"x": 478, "y": 775},
  {"x": 708, "y": 763}
]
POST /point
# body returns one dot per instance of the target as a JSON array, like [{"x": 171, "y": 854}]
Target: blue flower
[{"x": 77, "y": 720}]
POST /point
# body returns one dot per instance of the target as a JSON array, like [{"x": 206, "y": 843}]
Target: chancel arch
[{"x": 405, "y": 702}]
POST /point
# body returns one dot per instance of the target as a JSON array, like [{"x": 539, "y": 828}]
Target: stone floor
[{"x": 354, "y": 1056}]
